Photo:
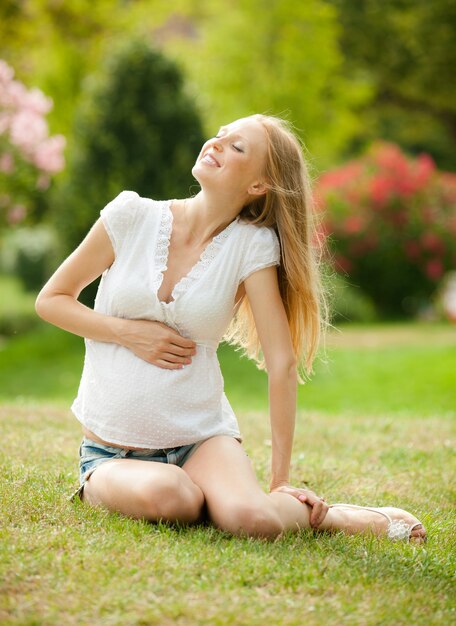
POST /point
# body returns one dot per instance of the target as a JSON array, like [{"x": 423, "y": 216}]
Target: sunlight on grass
[
  {"x": 375, "y": 426},
  {"x": 164, "y": 574}
]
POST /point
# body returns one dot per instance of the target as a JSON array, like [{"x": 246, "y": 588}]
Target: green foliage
[
  {"x": 359, "y": 361},
  {"x": 348, "y": 303},
  {"x": 17, "y": 311},
  {"x": 280, "y": 60},
  {"x": 136, "y": 130},
  {"x": 31, "y": 253},
  {"x": 407, "y": 50}
]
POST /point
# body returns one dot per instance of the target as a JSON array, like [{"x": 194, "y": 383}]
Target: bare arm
[
  {"x": 262, "y": 290},
  {"x": 58, "y": 304}
]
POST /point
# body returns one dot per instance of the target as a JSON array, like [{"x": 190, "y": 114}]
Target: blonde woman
[{"x": 234, "y": 262}]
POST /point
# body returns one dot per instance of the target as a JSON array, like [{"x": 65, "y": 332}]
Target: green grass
[
  {"x": 411, "y": 369},
  {"x": 376, "y": 426}
]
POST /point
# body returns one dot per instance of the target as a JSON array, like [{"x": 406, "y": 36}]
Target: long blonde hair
[{"x": 288, "y": 207}]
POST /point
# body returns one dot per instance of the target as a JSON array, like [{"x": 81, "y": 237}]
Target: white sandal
[{"x": 398, "y": 530}]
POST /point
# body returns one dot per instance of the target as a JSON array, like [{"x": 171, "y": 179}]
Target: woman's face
[{"x": 235, "y": 159}]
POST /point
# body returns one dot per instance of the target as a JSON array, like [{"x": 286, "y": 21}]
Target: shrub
[
  {"x": 29, "y": 157},
  {"x": 349, "y": 303},
  {"x": 391, "y": 224},
  {"x": 30, "y": 253},
  {"x": 17, "y": 310},
  {"x": 135, "y": 129}
]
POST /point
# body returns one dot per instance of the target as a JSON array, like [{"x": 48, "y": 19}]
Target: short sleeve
[
  {"x": 118, "y": 217},
  {"x": 263, "y": 251}
]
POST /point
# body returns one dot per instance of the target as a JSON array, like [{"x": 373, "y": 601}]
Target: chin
[{"x": 199, "y": 173}]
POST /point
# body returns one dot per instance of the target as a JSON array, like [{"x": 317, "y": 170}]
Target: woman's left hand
[{"x": 307, "y": 496}]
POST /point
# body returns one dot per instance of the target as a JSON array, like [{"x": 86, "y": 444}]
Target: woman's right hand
[{"x": 157, "y": 343}]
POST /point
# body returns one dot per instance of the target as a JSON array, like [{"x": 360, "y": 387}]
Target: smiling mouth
[{"x": 208, "y": 158}]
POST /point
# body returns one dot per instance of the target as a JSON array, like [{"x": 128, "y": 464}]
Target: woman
[{"x": 177, "y": 277}]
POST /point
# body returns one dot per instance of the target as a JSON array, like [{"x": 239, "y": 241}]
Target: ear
[{"x": 258, "y": 188}]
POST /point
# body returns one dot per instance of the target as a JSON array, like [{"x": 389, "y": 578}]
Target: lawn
[{"x": 376, "y": 426}]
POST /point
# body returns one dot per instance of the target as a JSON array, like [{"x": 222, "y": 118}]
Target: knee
[
  {"x": 173, "y": 498},
  {"x": 252, "y": 519}
]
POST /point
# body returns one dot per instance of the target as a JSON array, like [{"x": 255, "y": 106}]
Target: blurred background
[{"x": 97, "y": 97}]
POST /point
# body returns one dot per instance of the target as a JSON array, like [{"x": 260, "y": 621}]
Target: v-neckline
[{"x": 205, "y": 258}]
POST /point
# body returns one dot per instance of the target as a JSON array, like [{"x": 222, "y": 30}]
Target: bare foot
[{"x": 362, "y": 520}]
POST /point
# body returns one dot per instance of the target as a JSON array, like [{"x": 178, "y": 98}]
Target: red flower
[
  {"x": 380, "y": 189},
  {"x": 412, "y": 249},
  {"x": 430, "y": 241},
  {"x": 343, "y": 263},
  {"x": 353, "y": 224},
  {"x": 434, "y": 269}
]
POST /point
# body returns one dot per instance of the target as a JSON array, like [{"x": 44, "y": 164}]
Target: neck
[{"x": 207, "y": 215}]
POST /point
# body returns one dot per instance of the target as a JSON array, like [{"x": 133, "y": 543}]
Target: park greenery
[
  {"x": 384, "y": 211},
  {"x": 153, "y": 81},
  {"x": 366, "y": 433},
  {"x": 97, "y": 97}
]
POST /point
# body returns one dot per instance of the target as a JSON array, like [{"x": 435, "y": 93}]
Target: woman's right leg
[{"x": 145, "y": 490}]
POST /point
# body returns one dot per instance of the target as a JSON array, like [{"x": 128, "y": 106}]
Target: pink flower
[
  {"x": 43, "y": 181},
  {"x": 5, "y": 121},
  {"x": 6, "y": 163},
  {"x": 15, "y": 94},
  {"x": 17, "y": 213},
  {"x": 6, "y": 72},
  {"x": 36, "y": 102},
  {"x": 27, "y": 130},
  {"x": 49, "y": 154}
]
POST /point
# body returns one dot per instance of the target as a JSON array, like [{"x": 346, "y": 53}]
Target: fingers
[
  {"x": 180, "y": 341},
  {"x": 166, "y": 365},
  {"x": 318, "y": 513},
  {"x": 319, "y": 507}
]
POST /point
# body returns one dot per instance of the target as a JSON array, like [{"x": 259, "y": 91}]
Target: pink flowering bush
[
  {"x": 391, "y": 225},
  {"x": 28, "y": 155}
]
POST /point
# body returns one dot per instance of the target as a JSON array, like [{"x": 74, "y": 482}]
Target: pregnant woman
[{"x": 234, "y": 262}]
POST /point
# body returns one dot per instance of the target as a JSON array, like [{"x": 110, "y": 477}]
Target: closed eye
[{"x": 234, "y": 146}]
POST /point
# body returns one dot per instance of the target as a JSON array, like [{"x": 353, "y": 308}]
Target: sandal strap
[{"x": 397, "y": 529}]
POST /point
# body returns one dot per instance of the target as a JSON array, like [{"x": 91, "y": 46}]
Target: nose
[{"x": 217, "y": 145}]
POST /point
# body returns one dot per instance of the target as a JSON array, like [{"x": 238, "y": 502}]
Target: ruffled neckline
[{"x": 162, "y": 253}]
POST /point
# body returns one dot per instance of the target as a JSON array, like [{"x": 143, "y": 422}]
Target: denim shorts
[{"x": 92, "y": 453}]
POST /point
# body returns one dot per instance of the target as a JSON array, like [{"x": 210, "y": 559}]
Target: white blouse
[{"x": 122, "y": 398}]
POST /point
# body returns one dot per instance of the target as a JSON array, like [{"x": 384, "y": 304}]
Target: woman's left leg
[
  {"x": 234, "y": 498},
  {"x": 237, "y": 503}
]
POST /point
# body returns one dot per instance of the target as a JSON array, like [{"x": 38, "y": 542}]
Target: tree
[
  {"x": 406, "y": 48},
  {"x": 278, "y": 57},
  {"x": 135, "y": 130}
]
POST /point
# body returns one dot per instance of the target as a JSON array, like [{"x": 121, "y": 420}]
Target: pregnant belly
[{"x": 118, "y": 382}]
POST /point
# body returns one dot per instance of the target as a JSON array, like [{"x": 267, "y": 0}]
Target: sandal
[{"x": 398, "y": 530}]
